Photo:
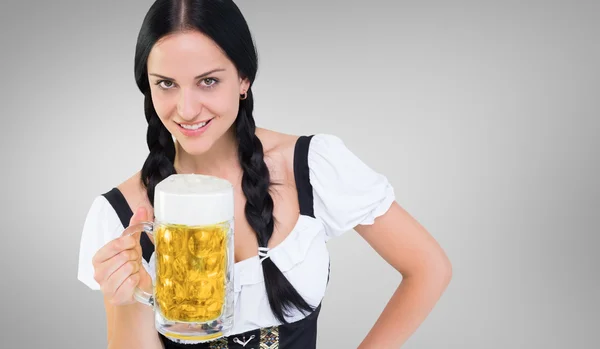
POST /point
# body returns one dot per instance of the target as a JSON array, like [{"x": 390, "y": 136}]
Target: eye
[
  {"x": 165, "y": 84},
  {"x": 209, "y": 82}
]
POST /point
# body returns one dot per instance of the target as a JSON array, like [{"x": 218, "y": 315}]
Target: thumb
[{"x": 140, "y": 215}]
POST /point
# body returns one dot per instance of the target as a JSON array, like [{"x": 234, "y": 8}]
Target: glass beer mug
[{"x": 192, "y": 293}]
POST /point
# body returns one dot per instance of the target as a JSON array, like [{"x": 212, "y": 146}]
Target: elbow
[
  {"x": 444, "y": 268},
  {"x": 440, "y": 271},
  {"x": 434, "y": 270}
]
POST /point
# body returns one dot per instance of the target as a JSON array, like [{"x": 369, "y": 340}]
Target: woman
[{"x": 195, "y": 63}]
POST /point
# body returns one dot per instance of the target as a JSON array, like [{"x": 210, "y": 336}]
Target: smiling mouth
[{"x": 195, "y": 127}]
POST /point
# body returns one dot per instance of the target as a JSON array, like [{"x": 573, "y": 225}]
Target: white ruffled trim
[{"x": 381, "y": 208}]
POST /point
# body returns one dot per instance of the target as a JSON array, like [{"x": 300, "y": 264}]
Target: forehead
[{"x": 186, "y": 53}]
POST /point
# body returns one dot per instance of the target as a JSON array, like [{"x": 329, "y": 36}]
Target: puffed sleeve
[
  {"x": 101, "y": 225},
  {"x": 346, "y": 191}
]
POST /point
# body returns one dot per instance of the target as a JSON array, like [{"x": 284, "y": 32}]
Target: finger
[
  {"x": 113, "y": 248},
  {"x": 106, "y": 269},
  {"x": 140, "y": 215},
  {"x": 113, "y": 282},
  {"x": 124, "y": 293}
]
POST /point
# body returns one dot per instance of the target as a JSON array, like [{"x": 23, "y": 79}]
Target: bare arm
[
  {"x": 425, "y": 270},
  {"x": 132, "y": 326},
  {"x": 109, "y": 310}
]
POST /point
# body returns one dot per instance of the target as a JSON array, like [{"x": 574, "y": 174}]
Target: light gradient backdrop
[{"x": 483, "y": 115}]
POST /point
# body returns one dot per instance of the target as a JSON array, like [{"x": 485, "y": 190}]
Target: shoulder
[
  {"x": 279, "y": 152},
  {"x": 281, "y": 149}
]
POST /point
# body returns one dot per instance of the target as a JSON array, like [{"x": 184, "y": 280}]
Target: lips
[
  {"x": 194, "y": 129},
  {"x": 194, "y": 126}
]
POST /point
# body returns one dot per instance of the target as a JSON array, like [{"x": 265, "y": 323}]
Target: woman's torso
[{"x": 280, "y": 152}]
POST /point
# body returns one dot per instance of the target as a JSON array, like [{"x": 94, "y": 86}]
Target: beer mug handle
[{"x": 139, "y": 294}]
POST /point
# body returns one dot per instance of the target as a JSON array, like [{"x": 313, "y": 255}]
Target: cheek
[
  {"x": 223, "y": 104},
  {"x": 164, "y": 104}
]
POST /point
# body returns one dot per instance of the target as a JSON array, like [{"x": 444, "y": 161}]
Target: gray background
[{"x": 483, "y": 115}]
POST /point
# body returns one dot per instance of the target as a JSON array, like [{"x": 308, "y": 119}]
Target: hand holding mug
[{"x": 118, "y": 265}]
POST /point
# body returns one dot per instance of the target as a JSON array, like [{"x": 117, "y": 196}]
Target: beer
[{"x": 191, "y": 271}]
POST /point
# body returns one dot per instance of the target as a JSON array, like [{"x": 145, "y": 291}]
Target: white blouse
[{"x": 346, "y": 192}]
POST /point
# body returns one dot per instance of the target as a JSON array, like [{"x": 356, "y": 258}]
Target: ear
[{"x": 244, "y": 85}]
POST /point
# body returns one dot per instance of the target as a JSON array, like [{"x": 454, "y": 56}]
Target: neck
[{"x": 218, "y": 161}]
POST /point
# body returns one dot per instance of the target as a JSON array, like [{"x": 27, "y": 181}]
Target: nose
[{"x": 188, "y": 106}]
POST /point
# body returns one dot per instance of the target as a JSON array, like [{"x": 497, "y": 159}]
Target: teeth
[{"x": 194, "y": 127}]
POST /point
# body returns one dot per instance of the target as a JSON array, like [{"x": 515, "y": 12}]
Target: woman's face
[{"x": 195, "y": 89}]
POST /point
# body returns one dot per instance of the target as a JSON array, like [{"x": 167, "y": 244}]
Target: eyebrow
[{"x": 197, "y": 77}]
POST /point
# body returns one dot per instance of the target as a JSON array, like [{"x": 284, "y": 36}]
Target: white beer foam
[{"x": 193, "y": 199}]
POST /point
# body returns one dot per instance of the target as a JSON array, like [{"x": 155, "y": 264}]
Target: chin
[{"x": 195, "y": 147}]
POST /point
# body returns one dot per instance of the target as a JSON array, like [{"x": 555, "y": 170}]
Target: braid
[
  {"x": 159, "y": 163},
  {"x": 259, "y": 211}
]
